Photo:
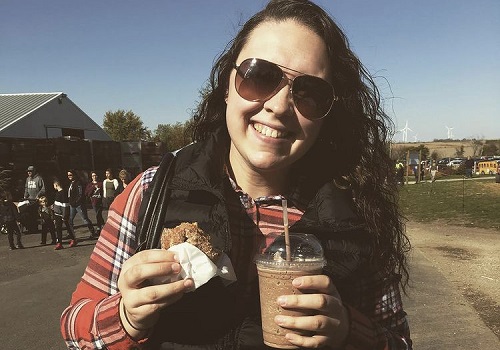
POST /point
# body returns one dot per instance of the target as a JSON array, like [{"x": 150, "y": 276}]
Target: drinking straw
[{"x": 287, "y": 234}]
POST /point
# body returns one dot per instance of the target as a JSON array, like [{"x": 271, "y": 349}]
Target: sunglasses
[{"x": 257, "y": 80}]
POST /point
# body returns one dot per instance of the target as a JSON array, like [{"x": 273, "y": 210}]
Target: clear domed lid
[{"x": 304, "y": 248}]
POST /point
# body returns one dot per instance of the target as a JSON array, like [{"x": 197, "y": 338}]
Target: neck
[{"x": 257, "y": 183}]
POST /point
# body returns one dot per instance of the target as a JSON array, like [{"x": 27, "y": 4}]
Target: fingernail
[
  {"x": 176, "y": 258},
  {"x": 189, "y": 284},
  {"x": 176, "y": 267},
  {"x": 280, "y": 320},
  {"x": 297, "y": 282},
  {"x": 282, "y": 300}
]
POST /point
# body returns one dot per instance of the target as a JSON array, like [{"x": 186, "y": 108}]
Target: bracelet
[{"x": 128, "y": 321}]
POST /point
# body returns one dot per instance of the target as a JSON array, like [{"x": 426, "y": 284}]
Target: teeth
[{"x": 269, "y": 132}]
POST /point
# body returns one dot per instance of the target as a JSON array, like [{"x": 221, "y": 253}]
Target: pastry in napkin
[{"x": 198, "y": 258}]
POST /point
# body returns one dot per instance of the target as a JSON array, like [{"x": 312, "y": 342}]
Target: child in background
[
  {"x": 46, "y": 215},
  {"x": 61, "y": 214},
  {"x": 9, "y": 216}
]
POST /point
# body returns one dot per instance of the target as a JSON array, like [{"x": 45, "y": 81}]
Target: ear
[{"x": 226, "y": 95}]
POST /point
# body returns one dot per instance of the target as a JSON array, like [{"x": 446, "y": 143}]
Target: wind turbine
[
  {"x": 405, "y": 132},
  {"x": 415, "y": 138},
  {"x": 450, "y": 134}
]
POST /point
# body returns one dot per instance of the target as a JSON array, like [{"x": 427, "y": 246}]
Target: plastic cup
[{"x": 275, "y": 278}]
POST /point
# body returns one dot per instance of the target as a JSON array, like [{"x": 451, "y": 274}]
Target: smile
[{"x": 269, "y": 132}]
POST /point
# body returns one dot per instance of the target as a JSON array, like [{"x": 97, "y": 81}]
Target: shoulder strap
[{"x": 154, "y": 205}]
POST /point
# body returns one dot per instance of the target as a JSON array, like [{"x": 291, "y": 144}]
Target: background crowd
[{"x": 43, "y": 211}]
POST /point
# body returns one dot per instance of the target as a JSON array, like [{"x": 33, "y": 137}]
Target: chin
[{"x": 266, "y": 163}]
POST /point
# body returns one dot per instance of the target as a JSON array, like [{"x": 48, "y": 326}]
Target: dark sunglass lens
[
  {"x": 313, "y": 96},
  {"x": 257, "y": 79}
]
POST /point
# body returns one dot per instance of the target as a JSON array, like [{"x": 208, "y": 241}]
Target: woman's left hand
[{"x": 329, "y": 326}]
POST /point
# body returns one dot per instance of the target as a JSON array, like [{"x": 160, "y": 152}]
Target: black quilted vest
[{"x": 212, "y": 317}]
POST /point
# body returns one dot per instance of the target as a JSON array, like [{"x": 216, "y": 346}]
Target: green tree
[
  {"x": 421, "y": 148},
  {"x": 173, "y": 136},
  {"x": 125, "y": 126},
  {"x": 490, "y": 148},
  {"x": 477, "y": 147},
  {"x": 435, "y": 155},
  {"x": 459, "y": 151}
]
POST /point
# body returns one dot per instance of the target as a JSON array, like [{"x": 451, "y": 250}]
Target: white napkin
[{"x": 196, "y": 265}]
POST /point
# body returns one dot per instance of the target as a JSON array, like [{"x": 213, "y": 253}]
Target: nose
[{"x": 281, "y": 103}]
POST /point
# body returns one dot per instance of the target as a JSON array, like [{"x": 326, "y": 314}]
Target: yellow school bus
[{"x": 488, "y": 167}]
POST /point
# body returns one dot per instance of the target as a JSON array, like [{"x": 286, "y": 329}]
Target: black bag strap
[{"x": 154, "y": 205}]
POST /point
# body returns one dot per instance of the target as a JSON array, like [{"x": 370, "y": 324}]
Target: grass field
[{"x": 474, "y": 203}]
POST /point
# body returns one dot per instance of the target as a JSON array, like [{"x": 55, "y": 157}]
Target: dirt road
[
  {"x": 448, "y": 263},
  {"x": 469, "y": 259}
]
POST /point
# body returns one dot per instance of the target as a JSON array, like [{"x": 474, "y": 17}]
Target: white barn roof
[
  {"x": 16, "y": 106},
  {"x": 44, "y": 115}
]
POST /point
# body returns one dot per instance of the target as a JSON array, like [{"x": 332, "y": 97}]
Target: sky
[{"x": 436, "y": 63}]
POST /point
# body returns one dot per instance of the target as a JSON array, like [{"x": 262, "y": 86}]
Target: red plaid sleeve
[
  {"x": 385, "y": 327},
  {"x": 92, "y": 320}
]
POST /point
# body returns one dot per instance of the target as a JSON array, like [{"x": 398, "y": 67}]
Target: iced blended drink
[{"x": 275, "y": 278}]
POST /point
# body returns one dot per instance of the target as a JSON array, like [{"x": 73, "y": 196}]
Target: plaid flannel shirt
[{"x": 92, "y": 320}]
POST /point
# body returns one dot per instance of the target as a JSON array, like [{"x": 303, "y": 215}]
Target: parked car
[
  {"x": 444, "y": 161},
  {"x": 455, "y": 163}
]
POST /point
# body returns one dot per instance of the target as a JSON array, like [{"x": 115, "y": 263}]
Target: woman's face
[
  {"x": 108, "y": 175},
  {"x": 271, "y": 135}
]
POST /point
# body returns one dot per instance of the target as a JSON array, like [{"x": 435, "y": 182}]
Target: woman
[
  {"x": 94, "y": 190},
  {"x": 291, "y": 113},
  {"x": 124, "y": 177},
  {"x": 61, "y": 215},
  {"x": 109, "y": 186},
  {"x": 77, "y": 203}
]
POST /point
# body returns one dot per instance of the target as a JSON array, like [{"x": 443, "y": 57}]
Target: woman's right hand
[{"x": 141, "y": 299}]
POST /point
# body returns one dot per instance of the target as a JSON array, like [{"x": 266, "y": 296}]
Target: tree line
[
  {"x": 123, "y": 125},
  {"x": 479, "y": 148}
]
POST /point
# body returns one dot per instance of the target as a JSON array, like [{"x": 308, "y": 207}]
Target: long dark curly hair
[{"x": 352, "y": 148}]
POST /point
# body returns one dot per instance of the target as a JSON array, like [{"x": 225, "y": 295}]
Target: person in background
[
  {"x": 290, "y": 113},
  {"x": 9, "y": 217},
  {"x": 109, "y": 186},
  {"x": 34, "y": 188},
  {"x": 61, "y": 215},
  {"x": 469, "y": 165},
  {"x": 46, "y": 215},
  {"x": 95, "y": 192},
  {"x": 433, "y": 170},
  {"x": 77, "y": 203},
  {"x": 124, "y": 177},
  {"x": 416, "y": 174},
  {"x": 400, "y": 174}
]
